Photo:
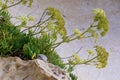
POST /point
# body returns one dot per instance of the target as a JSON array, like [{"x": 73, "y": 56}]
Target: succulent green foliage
[
  {"x": 5, "y": 36},
  {"x": 4, "y": 46},
  {"x": 10, "y": 35},
  {"x": 50, "y": 28},
  {"x": 102, "y": 57},
  {"x": 15, "y": 43},
  {"x": 19, "y": 41},
  {"x": 70, "y": 68},
  {"x": 73, "y": 77},
  {"x": 42, "y": 45},
  {"x": 54, "y": 58},
  {"x": 37, "y": 46},
  {"x": 4, "y": 18}
]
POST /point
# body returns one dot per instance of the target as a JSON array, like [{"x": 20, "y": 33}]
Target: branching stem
[
  {"x": 72, "y": 56},
  {"x": 84, "y": 62},
  {"x": 72, "y": 39},
  {"x": 11, "y": 5}
]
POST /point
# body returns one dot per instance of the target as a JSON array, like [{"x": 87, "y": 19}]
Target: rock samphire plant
[{"x": 27, "y": 42}]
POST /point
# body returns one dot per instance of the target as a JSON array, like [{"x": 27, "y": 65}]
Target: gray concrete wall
[{"x": 79, "y": 15}]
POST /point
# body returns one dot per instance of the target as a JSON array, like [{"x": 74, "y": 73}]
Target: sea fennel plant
[{"x": 47, "y": 34}]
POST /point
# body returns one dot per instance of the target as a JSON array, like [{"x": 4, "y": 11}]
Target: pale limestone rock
[{"x": 13, "y": 68}]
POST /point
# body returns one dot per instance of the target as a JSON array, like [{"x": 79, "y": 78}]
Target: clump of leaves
[
  {"x": 51, "y": 33},
  {"x": 73, "y": 77}
]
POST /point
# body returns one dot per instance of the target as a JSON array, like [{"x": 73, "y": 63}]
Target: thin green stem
[
  {"x": 11, "y": 5},
  {"x": 81, "y": 34},
  {"x": 84, "y": 62},
  {"x": 37, "y": 25},
  {"x": 42, "y": 17},
  {"x": 59, "y": 43},
  {"x": 39, "y": 31},
  {"x": 72, "y": 56}
]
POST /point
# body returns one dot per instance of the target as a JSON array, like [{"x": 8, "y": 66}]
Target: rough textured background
[
  {"x": 13, "y": 68},
  {"x": 78, "y": 15}
]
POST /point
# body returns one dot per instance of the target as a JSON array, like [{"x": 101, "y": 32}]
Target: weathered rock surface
[{"x": 13, "y": 68}]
